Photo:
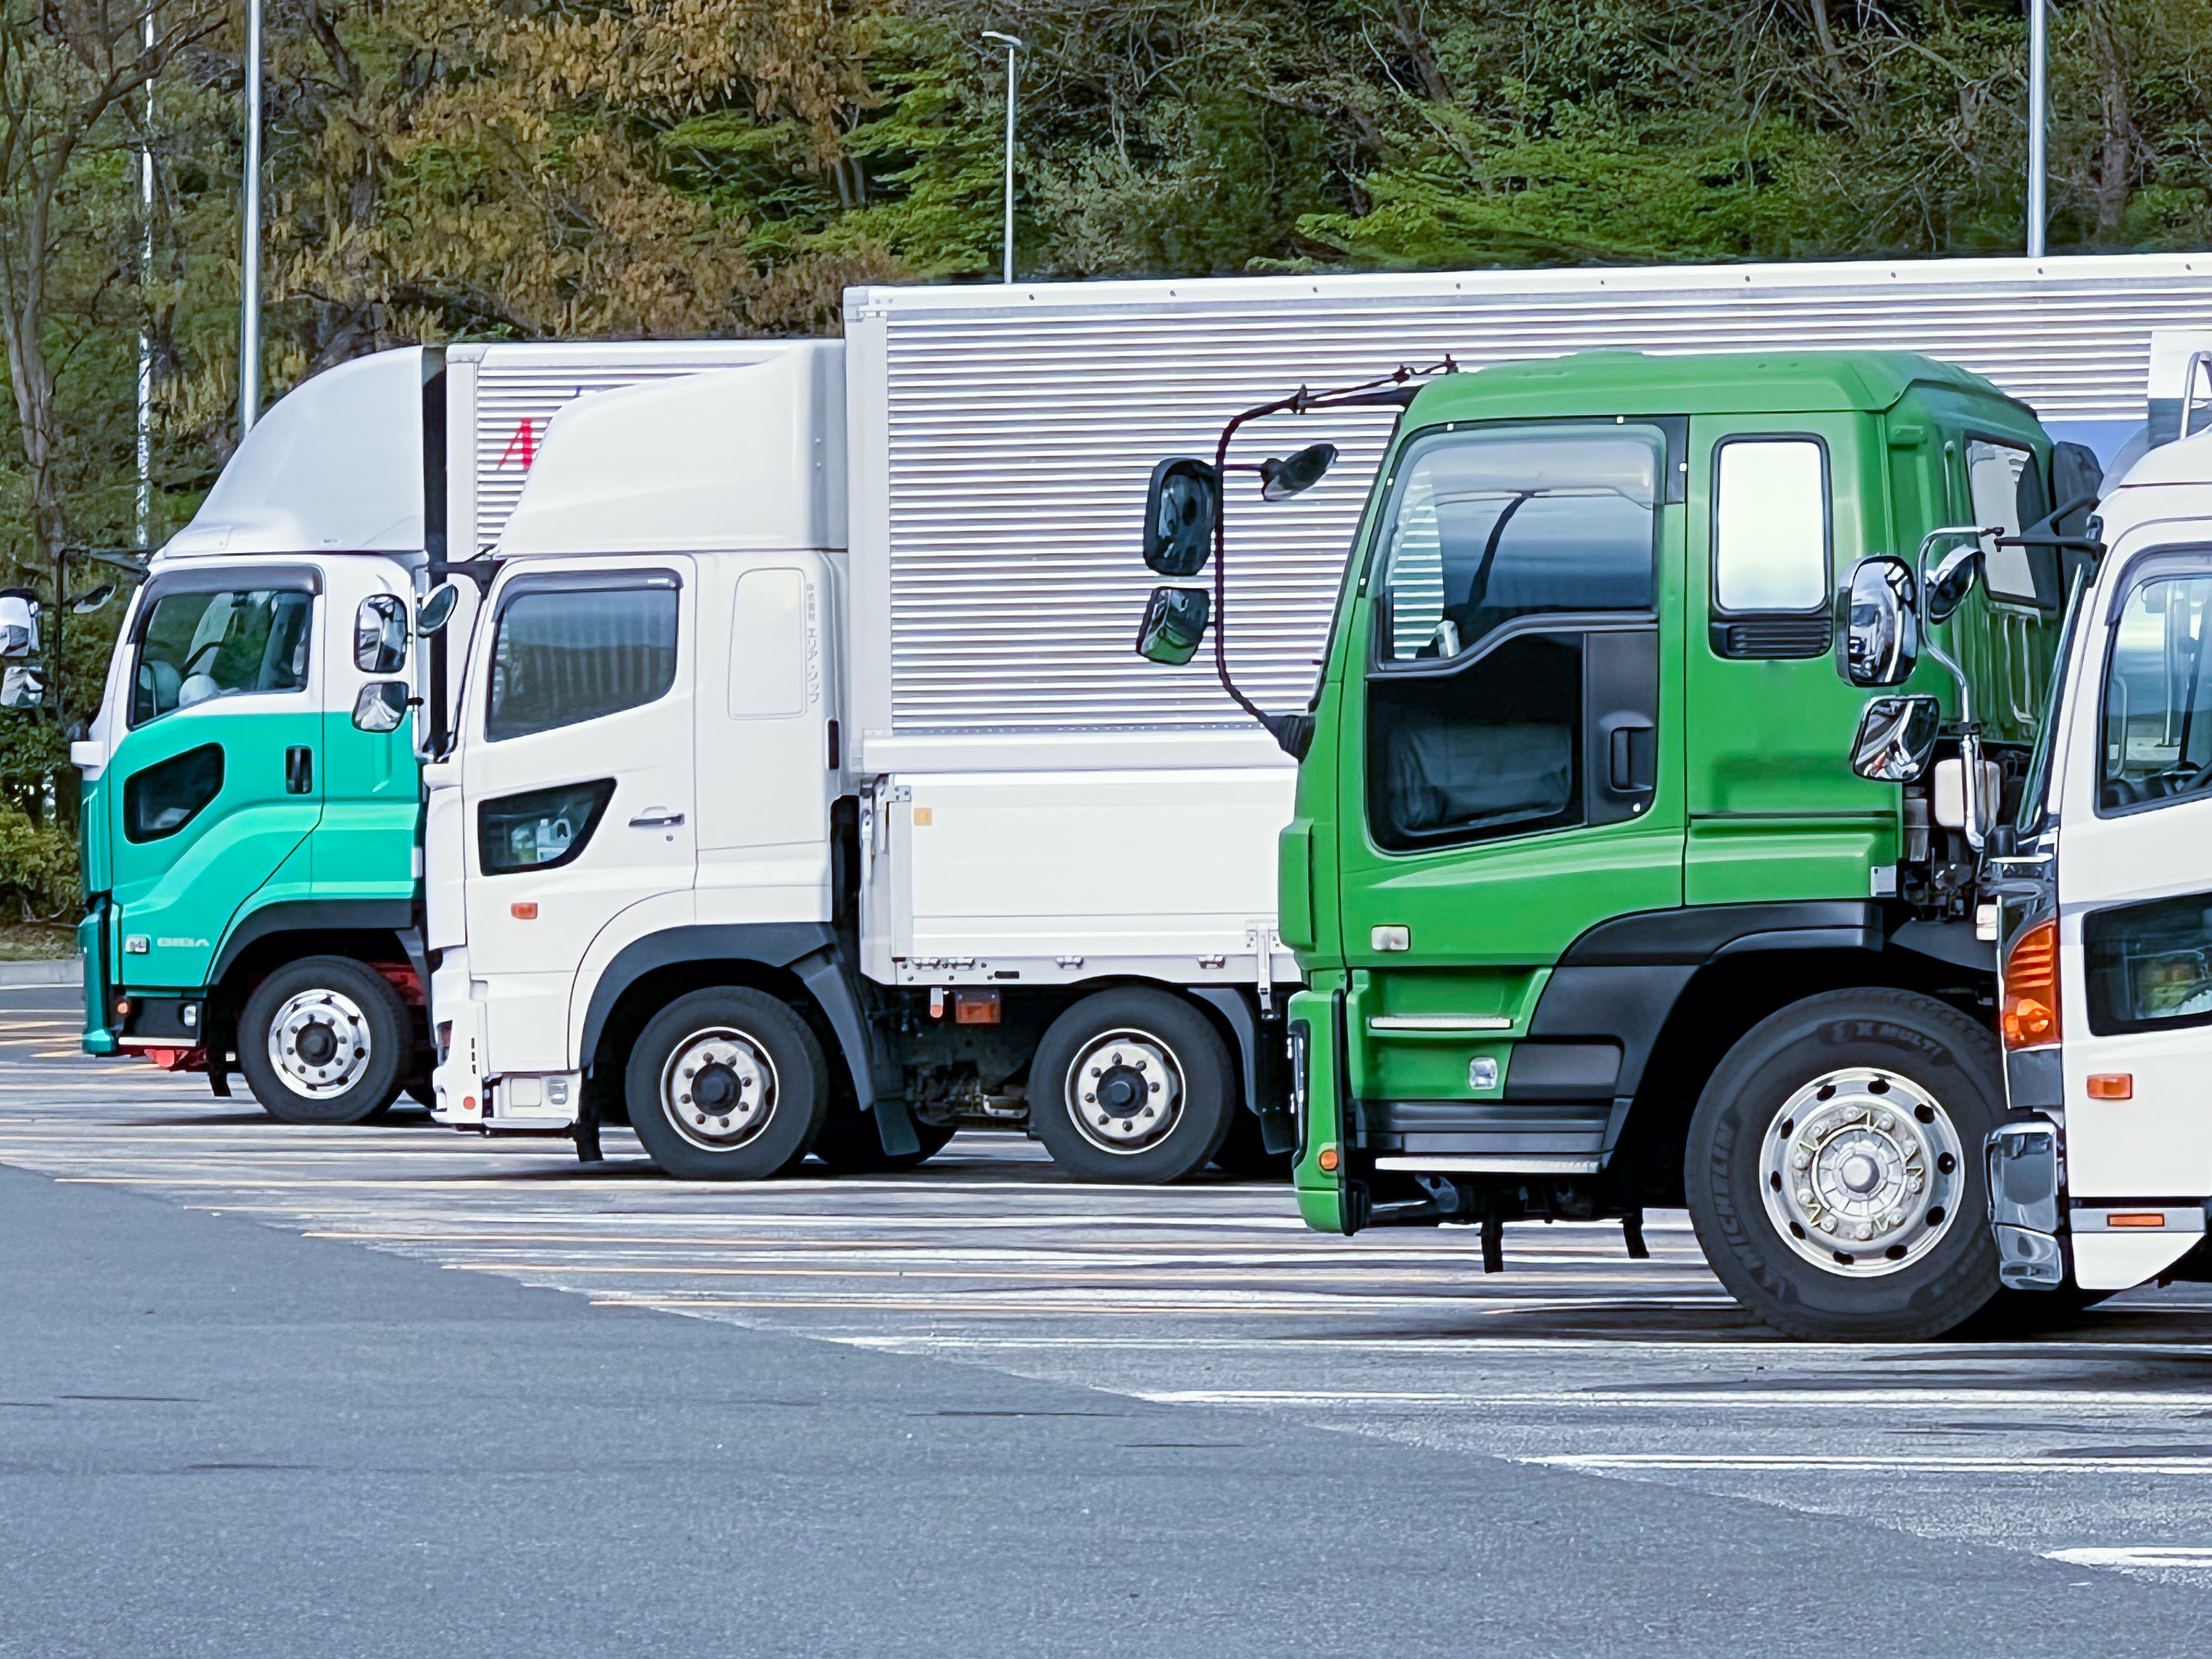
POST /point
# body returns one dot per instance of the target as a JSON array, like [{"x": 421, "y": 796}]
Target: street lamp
[
  {"x": 249, "y": 256},
  {"x": 2039, "y": 99},
  {"x": 1014, "y": 44}
]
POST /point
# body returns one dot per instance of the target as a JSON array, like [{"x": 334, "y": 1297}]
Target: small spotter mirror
[
  {"x": 84, "y": 603},
  {"x": 437, "y": 610},
  {"x": 379, "y": 634},
  {"x": 1175, "y": 623},
  {"x": 1181, "y": 511},
  {"x": 1951, "y": 581},
  {"x": 1896, "y": 737},
  {"x": 1880, "y": 634},
  {"x": 1280, "y": 480},
  {"x": 380, "y": 706}
]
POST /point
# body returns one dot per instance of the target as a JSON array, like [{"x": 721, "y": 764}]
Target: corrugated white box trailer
[{"x": 1018, "y": 772}]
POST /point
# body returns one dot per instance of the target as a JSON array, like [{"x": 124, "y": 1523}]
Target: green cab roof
[{"x": 1703, "y": 383}]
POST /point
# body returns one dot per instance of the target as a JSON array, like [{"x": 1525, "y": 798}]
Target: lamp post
[
  {"x": 1014, "y": 44},
  {"x": 2039, "y": 99},
  {"x": 145, "y": 502},
  {"x": 249, "y": 258}
]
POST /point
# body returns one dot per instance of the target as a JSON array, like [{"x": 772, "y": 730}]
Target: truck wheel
[
  {"x": 1132, "y": 1085},
  {"x": 1835, "y": 1168},
  {"x": 323, "y": 1039},
  {"x": 1243, "y": 1154},
  {"x": 726, "y": 1084},
  {"x": 849, "y": 1144}
]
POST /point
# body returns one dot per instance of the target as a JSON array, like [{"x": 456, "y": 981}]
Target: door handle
[
  {"x": 656, "y": 820},
  {"x": 1632, "y": 757},
  {"x": 299, "y": 770}
]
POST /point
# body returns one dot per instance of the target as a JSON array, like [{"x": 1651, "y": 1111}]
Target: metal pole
[
  {"x": 2039, "y": 99},
  {"x": 249, "y": 299},
  {"x": 145, "y": 517},
  {"x": 1013, "y": 44}
]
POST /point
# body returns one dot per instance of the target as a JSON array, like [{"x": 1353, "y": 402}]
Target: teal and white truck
[{"x": 252, "y": 797}]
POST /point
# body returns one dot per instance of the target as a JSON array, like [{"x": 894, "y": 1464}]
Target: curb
[{"x": 56, "y": 970}]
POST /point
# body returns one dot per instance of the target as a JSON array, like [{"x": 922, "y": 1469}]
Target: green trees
[{"x": 441, "y": 169}]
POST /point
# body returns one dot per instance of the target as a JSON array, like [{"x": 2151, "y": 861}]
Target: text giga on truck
[
  {"x": 2099, "y": 881},
  {"x": 251, "y": 832},
  {"x": 1598, "y": 905}
]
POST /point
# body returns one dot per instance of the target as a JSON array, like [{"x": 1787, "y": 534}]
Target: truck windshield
[
  {"x": 1502, "y": 522},
  {"x": 2033, "y": 794}
]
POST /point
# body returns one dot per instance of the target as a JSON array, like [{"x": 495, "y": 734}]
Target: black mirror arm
[
  {"x": 1292, "y": 732},
  {"x": 2043, "y": 533}
]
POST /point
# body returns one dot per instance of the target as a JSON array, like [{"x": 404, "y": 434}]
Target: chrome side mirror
[
  {"x": 436, "y": 611},
  {"x": 1182, "y": 509},
  {"x": 380, "y": 706},
  {"x": 1896, "y": 737},
  {"x": 379, "y": 634},
  {"x": 1881, "y": 633},
  {"x": 1175, "y": 623}
]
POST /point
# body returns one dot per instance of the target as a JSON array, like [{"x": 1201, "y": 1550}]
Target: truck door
[
  {"x": 217, "y": 784},
  {"x": 1515, "y": 759},
  {"x": 576, "y": 783},
  {"x": 1772, "y": 512},
  {"x": 2135, "y": 891}
]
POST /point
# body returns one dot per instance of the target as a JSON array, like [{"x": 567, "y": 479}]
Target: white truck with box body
[{"x": 803, "y": 756}]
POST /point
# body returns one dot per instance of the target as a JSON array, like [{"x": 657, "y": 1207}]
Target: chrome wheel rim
[
  {"x": 1861, "y": 1170},
  {"x": 1125, "y": 1092},
  {"x": 319, "y": 1044},
  {"x": 717, "y": 1089}
]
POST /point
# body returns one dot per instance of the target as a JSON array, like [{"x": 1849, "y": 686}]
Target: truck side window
[
  {"x": 170, "y": 794},
  {"x": 2005, "y": 489},
  {"x": 568, "y": 653},
  {"x": 1504, "y": 522},
  {"x": 1771, "y": 525},
  {"x": 2149, "y": 966},
  {"x": 1489, "y": 529},
  {"x": 2158, "y": 699},
  {"x": 198, "y": 646}
]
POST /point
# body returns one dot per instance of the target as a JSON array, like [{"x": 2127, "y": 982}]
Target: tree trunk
[{"x": 2115, "y": 149}]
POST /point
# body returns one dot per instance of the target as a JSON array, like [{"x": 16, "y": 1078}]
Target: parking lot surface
[{"x": 1207, "y": 1315}]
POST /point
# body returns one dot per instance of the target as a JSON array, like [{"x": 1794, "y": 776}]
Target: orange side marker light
[
  {"x": 1328, "y": 1160},
  {"x": 2136, "y": 1218},
  {"x": 2111, "y": 1085}
]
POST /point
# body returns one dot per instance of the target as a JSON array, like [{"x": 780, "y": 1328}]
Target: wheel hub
[
  {"x": 1861, "y": 1170},
  {"x": 719, "y": 1088},
  {"x": 1125, "y": 1092},
  {"x": 318, "y": 1044}
]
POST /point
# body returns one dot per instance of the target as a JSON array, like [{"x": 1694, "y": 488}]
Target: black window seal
[
  {"x": 2159, "y": 563},
  {"x": 1827, "y": 599}
]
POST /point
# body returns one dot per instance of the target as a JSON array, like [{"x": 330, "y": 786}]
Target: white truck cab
[{"x": 2103, "y": 1179}]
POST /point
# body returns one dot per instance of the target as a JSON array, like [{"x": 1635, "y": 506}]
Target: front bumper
[{"x": 2027, "y": 1203}]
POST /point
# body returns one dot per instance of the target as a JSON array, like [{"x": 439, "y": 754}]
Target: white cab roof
[
  {"x": 335, "y": 466},
  {"x": 749, "y": 459}
]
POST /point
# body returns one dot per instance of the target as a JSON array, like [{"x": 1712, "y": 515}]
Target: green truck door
[
  {"x": 1780, "y": 509},
  {"x": 213, "y": 792},
  {"x": 1514, "y": 758}
]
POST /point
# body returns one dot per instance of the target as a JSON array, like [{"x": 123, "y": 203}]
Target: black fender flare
[
  {"x": 808, "y": 949},
  {"x": 326, "y": 916}
]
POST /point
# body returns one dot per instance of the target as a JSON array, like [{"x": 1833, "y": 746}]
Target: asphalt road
[{"x": 392, "y": 1390}]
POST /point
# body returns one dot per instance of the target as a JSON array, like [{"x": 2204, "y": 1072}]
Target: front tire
[
  {"x": 726, "y": 1084},
  {"x": 1834, "y": 1170},
  {"x": 324, "y": 1040},
  {"x": 1132, "y": 1085}
]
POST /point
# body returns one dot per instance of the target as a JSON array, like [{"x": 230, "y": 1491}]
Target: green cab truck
[{"x": 1596, "y": 908}]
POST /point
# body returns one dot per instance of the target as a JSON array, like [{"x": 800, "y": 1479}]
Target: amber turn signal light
[
  {"x": 2028, "y": 1014},
  {"x": 2111, "y": 1085},
  {"x": 524, "y": 910},
  {"x": 2136, "y": 1218},
  {"x": 1328, "y": 1160}
]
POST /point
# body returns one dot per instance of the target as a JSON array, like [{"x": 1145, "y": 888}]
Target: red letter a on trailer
[{"x": 521, "y": 443}]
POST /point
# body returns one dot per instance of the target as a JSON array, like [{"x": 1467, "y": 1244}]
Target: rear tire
[
  {"x": 726, "y": 1084},
  {"x": 1834, "y": 1168},
  {"x": 850, "y": 1143},
  {"x": 324, "y": 1040},
  {"x": 1173, "y": 1093}
]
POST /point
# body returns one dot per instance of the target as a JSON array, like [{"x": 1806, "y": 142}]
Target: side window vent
[{"x": 1772, "y": 637}]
